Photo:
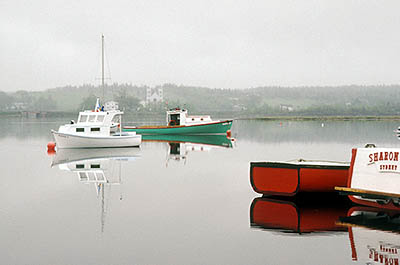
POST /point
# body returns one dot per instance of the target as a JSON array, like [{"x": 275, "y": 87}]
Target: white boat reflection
[
  {"x": 98, "y": 167},
  {"x": 374, "y": 235}
]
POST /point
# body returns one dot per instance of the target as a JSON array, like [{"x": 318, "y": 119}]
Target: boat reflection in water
[
  {"x": 100, "y": 167},
  {"x": 374, "y": 235},
  {"x": 301, "y": 214},
  {"x": 179, "y": 146}
]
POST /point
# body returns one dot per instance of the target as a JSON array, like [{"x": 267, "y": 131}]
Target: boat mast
[{"x": 102, "y": 63}]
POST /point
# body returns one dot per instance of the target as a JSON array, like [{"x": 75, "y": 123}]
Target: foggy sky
[{"x": 222, "y": 44}]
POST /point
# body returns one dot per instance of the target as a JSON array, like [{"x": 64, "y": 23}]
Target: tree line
[{"x": 259, "y": 101}]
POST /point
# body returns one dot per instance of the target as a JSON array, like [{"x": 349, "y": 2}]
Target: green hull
[
  {"x": 208, "y": 128},
  {"x": 220, "y": 140}
]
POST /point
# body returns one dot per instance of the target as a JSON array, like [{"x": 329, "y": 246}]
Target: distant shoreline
[{"x": 325, "y": 118}]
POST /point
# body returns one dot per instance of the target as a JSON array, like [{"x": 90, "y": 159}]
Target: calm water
[{"x": 167, "y": 203}]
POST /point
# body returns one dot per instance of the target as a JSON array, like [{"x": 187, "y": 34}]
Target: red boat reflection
[{"x": 300, "y": 214}]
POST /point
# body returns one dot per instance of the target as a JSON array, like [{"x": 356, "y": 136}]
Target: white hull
[{"x": 64, "y": 140}]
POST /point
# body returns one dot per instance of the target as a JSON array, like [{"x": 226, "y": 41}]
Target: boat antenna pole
[{"x": 102, "y": 63}]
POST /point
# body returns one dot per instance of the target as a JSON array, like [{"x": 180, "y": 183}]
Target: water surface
[{"x": 167, "y": 203}]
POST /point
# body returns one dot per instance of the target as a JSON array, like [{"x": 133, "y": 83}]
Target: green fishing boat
[{"x": 178, "y": 122}]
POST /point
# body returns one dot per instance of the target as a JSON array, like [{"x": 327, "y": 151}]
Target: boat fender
[
  {"x": 51, "y": 148},
  {"x": 228, "y": 133}
]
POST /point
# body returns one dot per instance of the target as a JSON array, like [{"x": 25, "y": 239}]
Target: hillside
[{"x": 342, "y": 100}]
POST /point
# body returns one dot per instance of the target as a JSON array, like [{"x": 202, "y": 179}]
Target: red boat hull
[{"x": 288, "y": 179}]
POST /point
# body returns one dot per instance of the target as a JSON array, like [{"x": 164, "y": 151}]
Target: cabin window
[
  {"x": 174, "y": 120},
  {"x": 201, "y": 119},
  {"x": 83, "y": 118},
  {"x": 80, "y": 129},
  {"x": 95, "y": 166},
  {"x": 97, "y": 129},
  {"x": 82, "y": 176},
  {"x": 100, "y": 118},
  {"x": 192, "y": 119},
  {"x": 92, "y": 118},
  {"x": 79, "y": 166}
]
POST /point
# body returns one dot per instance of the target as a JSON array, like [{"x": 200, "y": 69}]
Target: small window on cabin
[
  {"x": 79, "y": 166},
  {"x": 83, "y": 118},
  {"x": 80, "y": 129},
  {"x": 97, "y": 129},
  {"x": 95, "y": 166},
  {"x": 92, "y": 118},
  {"x": 100, "y": 118},
  {"x": 192, "y": 119},
  {"x": 201, "y": 119}
]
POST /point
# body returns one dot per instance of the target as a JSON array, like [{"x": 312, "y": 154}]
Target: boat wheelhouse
[
  {"x": 179, "y": 122},
  {"x": 177, "y": 117}
]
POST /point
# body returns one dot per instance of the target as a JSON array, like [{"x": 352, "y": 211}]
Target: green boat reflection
[
  {"x": 179, "y": 146},
  {"x": 220, "y": 140}
]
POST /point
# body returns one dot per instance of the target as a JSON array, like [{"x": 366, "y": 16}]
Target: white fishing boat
[
  {"x": 374, "y": 177},
  {"x": 94, "y": 129}
]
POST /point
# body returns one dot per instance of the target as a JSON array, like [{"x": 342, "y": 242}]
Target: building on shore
[{"x": 154, "y": 95}]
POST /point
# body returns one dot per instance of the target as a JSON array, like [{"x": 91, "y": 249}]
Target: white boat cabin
[
  {"x": 180, "y": 117},
  {"x": 99, "y": 122}
]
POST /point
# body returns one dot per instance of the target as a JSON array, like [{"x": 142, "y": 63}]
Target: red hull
[{"x": 288, "y": 179}]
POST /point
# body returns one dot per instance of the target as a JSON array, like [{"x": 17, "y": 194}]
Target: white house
[{"x": 154, "y": 95}]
